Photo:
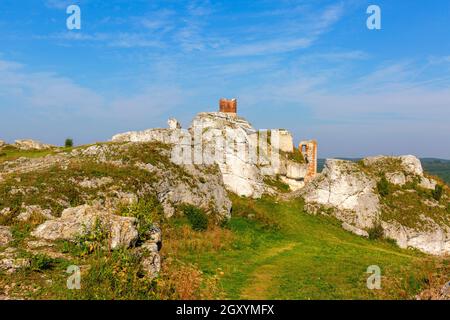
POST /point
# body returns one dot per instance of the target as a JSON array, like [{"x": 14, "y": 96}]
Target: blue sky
[{"x": 312, "y": 67}]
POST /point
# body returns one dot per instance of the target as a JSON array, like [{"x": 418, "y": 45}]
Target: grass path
[
  {"x": 262, "y": 279},
  {"x": 285, "y": 253}
]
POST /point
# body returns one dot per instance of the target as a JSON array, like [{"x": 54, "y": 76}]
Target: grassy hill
[
  {"x": 273, "y": 250},
  {"x": 270, "y": 249}
]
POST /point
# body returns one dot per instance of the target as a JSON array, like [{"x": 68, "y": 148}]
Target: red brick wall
[{"x": 228, "y": 106}]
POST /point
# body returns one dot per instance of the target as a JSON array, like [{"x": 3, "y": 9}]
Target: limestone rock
[
  {"x": 445, "y": 291},
  {"x": 81, "y": 220},
  {"x": 241, "y": 175},
  {"x": 31, "y": 145},
  {"x": 355, "y": 230},
  {"x": 160, "y": 135},
  {"x": 173, "y": 124},
  {"x": 295, "y": 170},
  {"x": 286, "y": 141},
  {"x": 149, "y": 251},
  {"x": 30, "y": 211},
  {"x": 5, "y": 236},
  {"x": 435, "y": 240},
  {"x": 397, "y": 178},
  {"x": 427, "y": 183},
  {"x": 10, "y": 262},
  {"x": 2, "y": 143},
  {"x": 343, "y": 186},
  {"x": 211, "y": 132}
]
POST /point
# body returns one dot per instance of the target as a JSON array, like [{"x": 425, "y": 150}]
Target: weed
[
  {"x": 41, "y": 262},
  {"x": 383, "y": 186},
  {"x": 437, "y": 192},
  {"x": 196, "y": 216},
  {"x": 147, "y": 210},
  {"x": 376, "y": 232}
]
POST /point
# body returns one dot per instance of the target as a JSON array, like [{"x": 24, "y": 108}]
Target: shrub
[
  {"x": 383, "y": 186},
  {"x": 41, "y": 262},
  {"x": 146, "y": 211},
  {"x": 197, "y": 217},
  {"x": 94, "y": 239},
  {"x": 68, "y": 143},
  {"x": 376, "y": 232},
  {"x": 437, "y": 192}
]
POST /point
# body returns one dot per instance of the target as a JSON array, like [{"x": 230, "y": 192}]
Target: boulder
[
  {"x": 5, "y": 236},
  {"x": 2, "y": 143},
  {"x": 82, "y": 219},
  {"x": 30, "y": 211},
  {"x": 427, "y": 183},
  {"x": 397, "y": 178},
  {"x": 10, "y": 262}
]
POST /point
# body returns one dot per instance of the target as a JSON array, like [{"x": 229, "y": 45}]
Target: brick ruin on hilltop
[
  {"x": 307, "y": 148},
  {"x": 309, "y": 151},
  {"x": 228, "y": 106}
]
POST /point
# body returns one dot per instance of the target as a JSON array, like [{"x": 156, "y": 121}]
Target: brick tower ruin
[
  {"x": 309, "y": 151},
  {"x": 228, "y": 106}
]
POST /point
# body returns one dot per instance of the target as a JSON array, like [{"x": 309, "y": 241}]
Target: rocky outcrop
[
  {"x": 29, "y": 144},
  {"x": 240, "y": 174},
  {"x": 435, "y": 240},
  {"x": 34, "y": 211},
  {"x": 232, "y": 143},
  {"x": 2, "y": 143},
  {"x": 82, "y": 220},
  {"x": 346, "y": 188},
  {"x": 349, "y": 191}
]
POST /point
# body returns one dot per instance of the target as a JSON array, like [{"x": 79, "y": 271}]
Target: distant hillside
[{"x": 437, "y": 167}]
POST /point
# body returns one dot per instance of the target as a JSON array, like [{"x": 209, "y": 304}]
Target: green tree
[{"x": 68, "y": 143}]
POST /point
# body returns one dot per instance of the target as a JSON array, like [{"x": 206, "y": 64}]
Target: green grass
[
  {"x": 11, "y": 153},
  {"x": 305, "y": 257}
]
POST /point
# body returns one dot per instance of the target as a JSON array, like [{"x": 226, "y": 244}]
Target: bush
[
  {"x": 94, "y": 239},
  {"x": 197, "y": 217},
  {"x": 41, "y": 262},
  {"x": 146, "y": 210},
  {"x": 376, "y": 232},
  {"x": 69, "y": 143},
  {"x": 383, "y": 186},
  {"x": 437, "y": 192}
]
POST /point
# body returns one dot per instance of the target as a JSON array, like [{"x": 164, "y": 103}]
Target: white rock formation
[
  {"x": 232, "y": 143},
  {"x": 2, "y": 143},
  {"x": 173, "y": 124},
  {"x": 342, "y": 185},
  {"x": 31, "y": 145},
  {"x": 82, "y": 219},
  {"x": 240, "y": 173}
]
